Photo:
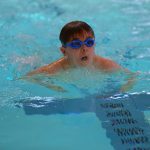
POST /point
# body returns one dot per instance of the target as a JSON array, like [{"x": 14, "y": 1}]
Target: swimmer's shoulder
[
  {"x": 106, "y": 64},
  {"x": 51, "y": 68}
]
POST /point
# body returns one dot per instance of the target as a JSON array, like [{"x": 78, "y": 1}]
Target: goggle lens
[
  {"x": 89, "y": 42},
  {"x": 75, "y": 44}
]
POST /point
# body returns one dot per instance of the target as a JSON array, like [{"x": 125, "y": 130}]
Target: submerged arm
[
  {"x": 111, "y": 66},
  {"x": 130, "y": 81},
  {"x": 35, "y": 79},
  {"x": 36, "y": 76}
]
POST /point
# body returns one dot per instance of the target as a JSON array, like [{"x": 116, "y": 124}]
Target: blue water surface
[{"x": 90, "y": 115}]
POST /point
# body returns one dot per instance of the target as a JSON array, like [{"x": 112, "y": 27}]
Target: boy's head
[
  {"x": 77, "y": 40},
  {"x": 73, "y": 29}
]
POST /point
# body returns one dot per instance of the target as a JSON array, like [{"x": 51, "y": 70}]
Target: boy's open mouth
[{"x": 84, "y": 58}]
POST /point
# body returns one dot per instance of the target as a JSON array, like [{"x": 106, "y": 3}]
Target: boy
[{"x": 78, "y": 43}]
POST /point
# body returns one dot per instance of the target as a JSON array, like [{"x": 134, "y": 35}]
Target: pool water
[{"x": 91, "y": 114}]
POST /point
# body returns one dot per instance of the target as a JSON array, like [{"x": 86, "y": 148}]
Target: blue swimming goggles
[{"x": 75, "y": 44}]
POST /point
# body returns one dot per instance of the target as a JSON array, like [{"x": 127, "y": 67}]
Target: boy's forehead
[{"x": 81, "y": 36}]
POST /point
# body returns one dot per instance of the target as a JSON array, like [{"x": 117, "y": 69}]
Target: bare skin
[
  {"x": 101, "y": 63},
  {"x": 82, "y": 57}
]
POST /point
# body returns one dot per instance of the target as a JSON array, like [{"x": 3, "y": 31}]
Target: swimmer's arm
[
  {"x": 114, "y": 67},
  {"x": 111, "y": 66},
  {"x": 130, "y": 81},
  {"x": 39, "y": 81},
  {"x": 50, "y": 69},
  {"x": 47, "y": 70}
]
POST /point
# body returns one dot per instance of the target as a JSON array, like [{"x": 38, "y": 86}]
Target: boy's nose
[{"x": 83, "y": 47}]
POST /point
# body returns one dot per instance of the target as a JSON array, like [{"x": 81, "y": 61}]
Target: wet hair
[{"x": 74, "y": 28}]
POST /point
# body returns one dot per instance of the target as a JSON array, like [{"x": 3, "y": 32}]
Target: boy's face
[{"x": 82, "y": 56}]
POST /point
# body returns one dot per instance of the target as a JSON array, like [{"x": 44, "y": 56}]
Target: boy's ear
[{"x": 62, "y": 49}]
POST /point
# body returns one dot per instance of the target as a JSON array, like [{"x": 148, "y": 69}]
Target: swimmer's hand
[
  {"x": 126, "y": 87},
  {"x": 47, "y": 85},
  {"x": 130, "y": 82}
]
